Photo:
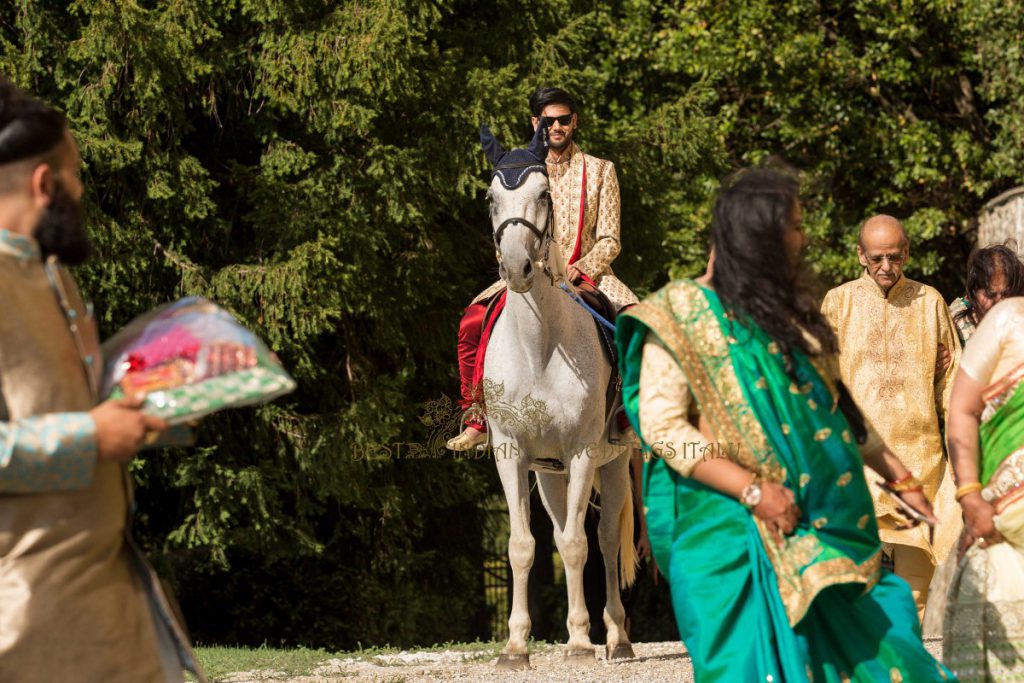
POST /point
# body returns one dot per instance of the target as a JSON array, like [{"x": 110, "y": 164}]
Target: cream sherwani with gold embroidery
[
  {"x": 887, "y": 349},
  {"x": 599, "y": 239}
]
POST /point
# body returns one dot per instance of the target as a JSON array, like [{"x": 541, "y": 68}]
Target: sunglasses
[
  {"x": 548, "y": 121},
  {"x": 894, "y": 259}
]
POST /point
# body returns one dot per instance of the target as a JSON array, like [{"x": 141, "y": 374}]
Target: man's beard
[
  {"x": 61, "y": 230},
  {"x": 564, "y": 144}
]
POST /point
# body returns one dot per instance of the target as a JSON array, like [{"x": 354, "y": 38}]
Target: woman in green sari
[
  {"x": 758, "y": 511},
  {"x": 984, "y": 627}
]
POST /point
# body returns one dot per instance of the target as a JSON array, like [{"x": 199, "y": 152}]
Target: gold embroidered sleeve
[
  {"x": 664, "y": 405},
  {"x": 829, "y": 308},
  {"x": 948, "y": 338},
  {"x": 606, "y": 245}
]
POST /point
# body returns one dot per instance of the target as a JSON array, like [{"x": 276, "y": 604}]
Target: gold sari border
[
  {"x": 1006, "y": 484},
  {"x": 661, "y": 318},
  {"x": 997, "y": 393},
  {"x": 797, "y": 588}
]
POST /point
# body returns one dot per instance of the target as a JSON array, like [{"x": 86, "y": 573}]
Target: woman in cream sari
[{"x": 984, "y": 630}]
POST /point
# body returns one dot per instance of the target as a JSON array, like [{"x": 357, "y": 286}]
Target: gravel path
[{"x": 667, "y": 662}]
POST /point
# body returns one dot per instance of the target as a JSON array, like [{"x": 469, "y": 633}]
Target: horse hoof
[
  {"x": 621, "y": 651},
  {"x": 512, "y": 662},
  {"x": 584, "y": 656}
]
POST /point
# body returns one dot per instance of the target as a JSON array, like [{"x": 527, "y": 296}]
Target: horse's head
[{"x": 521, "y": 213}]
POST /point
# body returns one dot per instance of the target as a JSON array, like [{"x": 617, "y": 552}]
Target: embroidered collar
[
  {"x": 877, "y": 289},
  {"x": 558, "y": 169},
  {"x": 565, "y": 158},
  {"x": 19, "y": 246}
]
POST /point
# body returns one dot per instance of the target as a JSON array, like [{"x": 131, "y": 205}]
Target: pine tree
[{"x": 314, "y": 167}]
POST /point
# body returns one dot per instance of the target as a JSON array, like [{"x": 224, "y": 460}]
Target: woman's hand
[
  {"x": 643, "y": 550},
  {"x": 966, "y": 541},
  {"x": 778, "y": 510},
  {"x": 643, "y": 545},
  {"x": 979, "y": 513},
  {"x": 917, "y": 500}
]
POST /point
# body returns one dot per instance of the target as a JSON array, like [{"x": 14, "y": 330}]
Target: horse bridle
[{"x": 543, "y": 236}]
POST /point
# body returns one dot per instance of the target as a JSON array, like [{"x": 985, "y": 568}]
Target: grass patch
[
  {"x": 481, "y": 647},
  {"x": 219, "y": 661},
  {"x": 273, "y": 664}
]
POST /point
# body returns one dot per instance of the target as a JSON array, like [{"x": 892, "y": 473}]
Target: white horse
[{"x": 545, "y": 376}]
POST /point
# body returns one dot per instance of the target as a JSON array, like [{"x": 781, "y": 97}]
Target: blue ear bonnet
[{"x": 513, "y": 166}]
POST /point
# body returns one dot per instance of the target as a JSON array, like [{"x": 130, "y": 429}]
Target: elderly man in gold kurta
[
  {"x": 891, "y": 330},
  {"x": 78, "y": 603},
  {"x": 585, "y": 198}
]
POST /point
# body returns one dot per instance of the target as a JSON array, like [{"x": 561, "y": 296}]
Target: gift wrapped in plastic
[{"x": 191, "y": 358}]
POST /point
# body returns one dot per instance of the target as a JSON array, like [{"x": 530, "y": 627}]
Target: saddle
[{"x": 600, "y": 302}]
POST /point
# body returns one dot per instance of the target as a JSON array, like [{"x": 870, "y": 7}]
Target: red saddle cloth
[{"x": 494, "y": 309}]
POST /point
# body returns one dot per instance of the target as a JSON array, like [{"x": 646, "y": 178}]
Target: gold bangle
[
  {"x": 968, "y": 489},
  {"x": 908, "y": 483}
]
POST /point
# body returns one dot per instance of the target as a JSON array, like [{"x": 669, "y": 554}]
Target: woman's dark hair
[
  {"x": 753, "y": 274},
  {"x": 28, "y": 127},
  {"x": 542, "y": 97},
  {"x": 982, "y": 267}
]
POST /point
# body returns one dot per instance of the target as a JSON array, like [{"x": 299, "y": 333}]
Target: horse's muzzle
[{"x": 520, "y": 278}]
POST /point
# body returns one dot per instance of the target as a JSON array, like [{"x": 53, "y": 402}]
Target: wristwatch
[{"x": 751, "y": 496}]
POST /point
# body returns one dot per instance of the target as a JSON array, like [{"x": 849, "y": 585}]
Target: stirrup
[
  {"x": 619, "y": 435},
  {"x": 466, "y": 442}
]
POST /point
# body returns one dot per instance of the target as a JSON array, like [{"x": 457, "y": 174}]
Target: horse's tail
[{"x": 628, "y": 560}]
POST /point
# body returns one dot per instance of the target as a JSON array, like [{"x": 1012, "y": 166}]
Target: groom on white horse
[
  {"x": 586, "y": 230},
  {"x": 545, "y": 360}
]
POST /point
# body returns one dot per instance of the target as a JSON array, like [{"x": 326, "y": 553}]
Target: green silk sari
[
  {"x": 1002, "y": 428},
  {"x": 819, "y": 608}
]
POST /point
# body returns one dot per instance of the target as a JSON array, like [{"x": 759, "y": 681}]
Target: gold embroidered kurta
[
  {"x": 77, "y": 601},
  {"x": 599, "y": 240},
  {"x": 888, "y": 344}
]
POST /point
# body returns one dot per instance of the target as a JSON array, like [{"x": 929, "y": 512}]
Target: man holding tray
[{"x": 78, "y": 602}]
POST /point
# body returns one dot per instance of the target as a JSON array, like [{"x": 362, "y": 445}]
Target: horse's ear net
[
  {"x": 538, "y": 144},
  {"x": 492, "y": 148}
]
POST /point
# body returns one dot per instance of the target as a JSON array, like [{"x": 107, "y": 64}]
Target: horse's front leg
[
  {"x": 574, "y": 555},
  {"x": 514, "y": 475},
  {"x": 614, "y": 530}
]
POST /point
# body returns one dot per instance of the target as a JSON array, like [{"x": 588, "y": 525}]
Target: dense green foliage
[{"x": 314, "y": 167}]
